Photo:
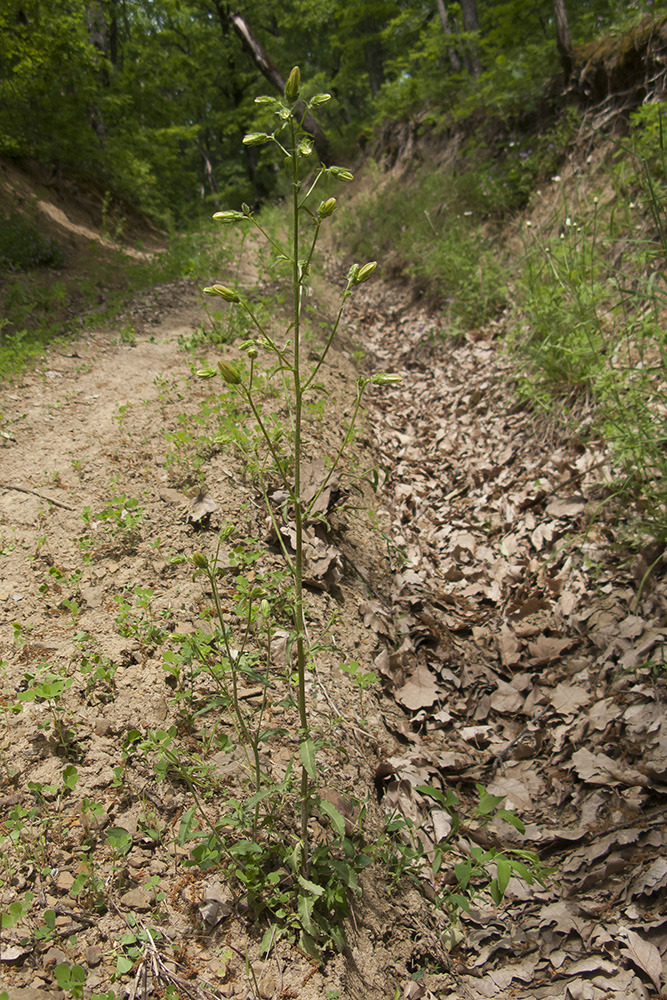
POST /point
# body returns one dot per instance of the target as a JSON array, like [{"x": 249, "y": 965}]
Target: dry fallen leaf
[
  {"x": 214, "y": 906},
  {"x": 643, "y": 954},
  {"x": 201, "y": 507},
  {"x": 421, "y": 690}
]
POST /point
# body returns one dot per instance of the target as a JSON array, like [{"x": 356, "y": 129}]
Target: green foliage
[
  {"x": 22, "y": 246},
  {"x": 47, "y": 687},
  {"x": 139, "y": 620},
  {"x": 71, "y": 979},
  {"x": 478, "y": 870},
  {"x": 440, "y": 244},
  {"x": 134, "y": 94},
  {"x": 565, "y": 298},
  {"x": 591, "y": 298},
  {"x": 37, "y": 304},
  {"x": 116, "y": 525}
]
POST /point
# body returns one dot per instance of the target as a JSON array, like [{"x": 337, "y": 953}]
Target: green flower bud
[
  {"x": 319, "y": 99},
  {"x": 264, "y": 609},
  {"x": 200, "y": 560},
  {"x": 265, "y": 99},
  {"x": 230, "y": 374},
  {"x": 207, "y": 373},
  {"x": 228, "y": 294},
  {"x": 364, "y": 273},
  {"x": 246, "y": 209},
  {"x": 293, "y": 86},
  {"x": 327, "y": 208},
  {"x": 341, "y": 174},
  {"x": 385, "y": 378},
  {"x": 305, "y": 147},
  {"x": 255, "y": 138},
  {"x": 228, "y": 217},
  {"x": 252, "y": 352}
]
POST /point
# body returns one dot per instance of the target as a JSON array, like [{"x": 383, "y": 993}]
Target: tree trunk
[
  {"x": 209, "y": 172},
  {"x": 374, "y": 66},
  {"x": 564, "y": 39},
  {"x": 98, "y": 36},
  {"x": 271, "y": 72},
  {"x": 471, "y": 24},
  {"x": 454, "y": 60}
]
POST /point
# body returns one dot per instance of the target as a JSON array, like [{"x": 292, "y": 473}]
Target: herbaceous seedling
[
  {"x": 320, "y": 878},
  {"x": 285, "y": 358}
]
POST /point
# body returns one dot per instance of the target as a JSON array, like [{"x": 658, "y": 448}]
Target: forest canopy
[{"x": 153, "y": 97}]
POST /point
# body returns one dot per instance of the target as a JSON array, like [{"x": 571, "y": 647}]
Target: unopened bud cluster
[
  {"x": 228, "y": 294},
  {"x": 293, "y": 86},
  {"x": 327, "y": 208},
  {"x": 229, "y": 373},
  {"x": 359, "y": 274}
]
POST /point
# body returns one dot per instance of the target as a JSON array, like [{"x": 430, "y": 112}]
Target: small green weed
[
  {"x": 477, "y": 871},
  {"x": 115, "y": 526},
  {"x": 46, "y": 688},
  {"x": 137, "y": 619}
]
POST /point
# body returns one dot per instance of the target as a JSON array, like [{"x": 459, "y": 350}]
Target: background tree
[
  {"x": 153, "y": 96},
  {"x": 563, "y": 39}
]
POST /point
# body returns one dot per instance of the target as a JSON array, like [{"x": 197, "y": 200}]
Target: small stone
[
  {"x": 65, "y": 881},
  {"x": 33, "y": 993},
  {"x": 54, "y": 956},
  {"x": 268, "y": 987},
  {"x": 135, "y": 899},
  {"x": 92, "y": 956},
  {"x": 92, "y": 596}
]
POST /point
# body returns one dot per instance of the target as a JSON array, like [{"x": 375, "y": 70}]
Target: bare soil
[{"x": 519, "y": 646}]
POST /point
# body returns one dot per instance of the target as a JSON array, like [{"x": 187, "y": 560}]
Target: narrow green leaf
[
  {"x": 512, "y": 819},
  {"x": 307, "y": 755},
  {"x": 336, "y": 819},
  {"x": 503, "y": 872},
  {"x": 311, "y": 887},
  {"x": 268, "y": 940},
  {"x": 462, "y": 871},
  {"x": 307, "y": 944},
  {"x": 487, "y": 803},
  {"x": 306, "y": 904},
  {"x": 461, "y": 901},
  {"x": 432, "y": 793},
  {"x": 185, "y": 826}
]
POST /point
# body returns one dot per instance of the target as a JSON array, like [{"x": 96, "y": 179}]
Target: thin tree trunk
[
  {"x": 471, "y": 24},
  {"x": 271, "y": 72},
  {"x": 209, "y": 172},
  {"x": 374, "y": 66},
  {"x": 454, "y": 60},
  {"x": 564, "y": 39},
  {"x": 98, "y": 36}
]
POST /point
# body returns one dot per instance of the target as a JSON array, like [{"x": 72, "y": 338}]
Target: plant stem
[{"x": 299, "y": 621}]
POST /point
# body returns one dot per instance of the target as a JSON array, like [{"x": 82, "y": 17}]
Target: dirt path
[{"x": 486, "y": 590}]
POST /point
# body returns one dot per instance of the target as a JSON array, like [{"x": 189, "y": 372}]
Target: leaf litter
[
  {"x": 514, "y": 647},
  {"x": 525, "y": 658}
]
